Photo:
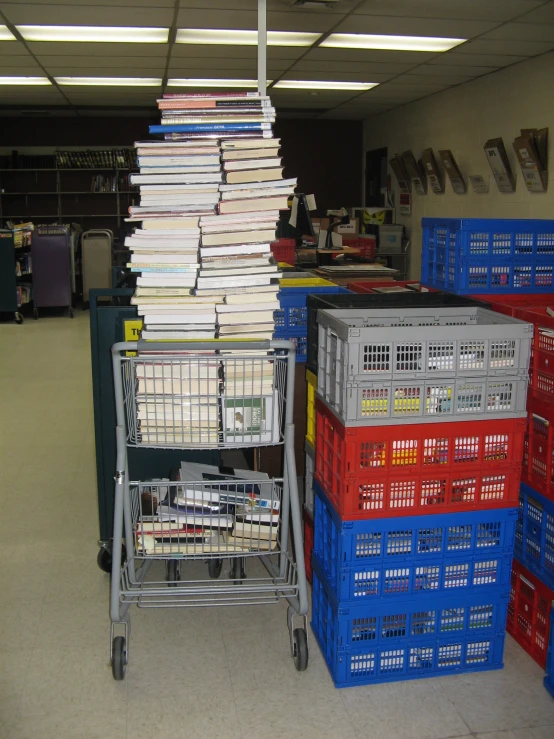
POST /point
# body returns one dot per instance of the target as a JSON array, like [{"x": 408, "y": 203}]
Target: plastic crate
[
  {"x": 311, "y": 387},
  {"x": 367, "y": 246},
  {"x": 284, "y": 250},
  {"x": 365, "y": 561},
  {"x": 308, "y": 542},
  {"x": 293, "y": 315},
  {"x": 534, "y": 546},
  {"x": 387, "y": 471},
  {"x": 510, "y": 305},
  {"x": 374, "y": 301},
  {"x": 529, "y": 612},
  {"x": 309, "y": 478},
  {"x": 549, "y": 679},
  {"x": 542, "y": 370},
  {"x": 407, "y": 641},
  {"x": 300, "y": 342},
  {"x": 419, "y": 343},
  {"x": 485, "y": 255},
  {"x": 538, "y": 453}
]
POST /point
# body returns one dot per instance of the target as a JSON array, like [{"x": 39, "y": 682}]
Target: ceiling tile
[
  {"x": 523, "y": 32},
  {"x": 544, "y": 14},
  {"x": 438, "y": 74},
  {"x": 357, "y": 76},
  {"x": 44, "y": 49},
  {"x": 370, "y": 55},
  {"x": 369, "y": 68},
  {"x": 521, "y": 48},
  {"x": 83, "y": 3},
  {"x": 493, "y": 10},
  {"x": 469, "y": 60},
  {"x": 87, "y": 15},
  {"x": 214, "y": 65},
  {"x": 244, "y": 19},
  {"x": 11, "y": 48},
  {"x": 83, "y": 63},
  {"x": 410, "y": 26}
]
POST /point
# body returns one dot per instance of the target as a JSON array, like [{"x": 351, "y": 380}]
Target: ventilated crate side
[{"x": 534, "y": 545}]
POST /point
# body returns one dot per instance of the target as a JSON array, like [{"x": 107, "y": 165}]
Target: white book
[
  {"x": 178, "y": 160},
  {"x": 253, "y": 153},
  {"x": 238, "y": 237},
  {"x": 246, "y": 298},
  {"x": 233, "y": 263},
  {"x": 235, "y": 227},
  {"x": 202, "y": 169},
  {"x": 196, "y": 317},
  {"x": 211, "y": 282},
  {"x": 178, "y": 189},
  {"x": 163, "y": 179},
  {"x": 246, "y": 307},
  {"x": 180, "y": 226},
  {"x": 176, "y": 335},
  {"x": 245, "y": 328},
  {"x": 262, "y": 215},
  {"x": 250, "y": 335},
  {"x": 227, "y": 272},
  {"x": 165, "y": 279},
  {"x": 208, "y": 197},
  {"x": 177, "y": 389},
  {"x": 239, "y": 164},
  {"x": 159, "y": 258},
  {"x": 250, "y": 143},
  {"x": 290, "y": 183},
  {"x": 255, "y": 316},
  {"x": 152, "y": 369},
  {"x": 175, "y": 308},
  {"x": 216, "y": 251},
  {"x": 258, "y": 193},
  {"x": 169, "y": 207},
  {"x": 177, "y": 144},
  {"x": 223, "y": 293}
]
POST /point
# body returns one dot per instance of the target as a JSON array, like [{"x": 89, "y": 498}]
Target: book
[
  {"x": 253, "y": 175},
  {"x": 226, "y": 95},
  {"x": 247, "y": 544},
  {"x": 186, "y": 316},
  {"x": 166, "y": 280},
  {"x": 255, "y": 316},
  {"x": 254, "y": 204},
  {"x": 235, "y": 280},
  {"x": 169, "y": 224},
  {"x": 178, "y": 160},
  {"x": 159, "y": 292},
  {"x": 249, "y": 143},
  {"x": 163, "y": 145},
  {"x": 254, "y": 153},
  {"x": 291, "y": 182},
  {"x": 258, "y": 192},
  {"x": 153, "y": 370},
  {"x": 185, "y": 169},
  {"x": 208, "y": 127},
  {"x": 246, "y": 298},
  {"x": 180, "y": 178},
  {"x": 250, "y": 530},
  {"x": 230, "y": 166},
  {"x": 213, "y": 104},
  {"x": 237, "y": 237},
  {"x": 247, "y": 224},
  {"x": 247, "y": 328},
  {"x": 228, "y": 271},
  {"x": 148, "y": 335},
  {"x": 175, "y": 118}
]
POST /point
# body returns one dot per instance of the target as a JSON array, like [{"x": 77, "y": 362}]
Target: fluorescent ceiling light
[
  {"x": 103, "y": 34},
  {"x": 243, "y": 38},
  {"x": 24, "y": 81},
  {"x": 319, "y": 85},
  {"x": 6, "y": 34},
  {"x": 111, "y": 81},
  {"x": 390, "y": 43},
  {"x": 176, "y": 82}
]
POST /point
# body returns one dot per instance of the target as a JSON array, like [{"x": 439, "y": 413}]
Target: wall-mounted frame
[
  {"x": 500, "y": 165},
  {"x": 453, "y": 171},
  {"x": 416, "y": 175},
  {"x": 432, "y": 171}
]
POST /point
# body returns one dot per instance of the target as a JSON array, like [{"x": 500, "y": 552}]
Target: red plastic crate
[
  {"x": 367, "y": 246},
  {"x": 368, "y": 286},
  {"x": 529, "y": 613},
  {"x": 308, "y": 543},
  {"x": 510, "y": 304},
  {"x": 542, "y": 364},
  {"x": 385, "y": 471},
  {"x": 538, "y": 456},
  {"x": 284, "y": 250}
]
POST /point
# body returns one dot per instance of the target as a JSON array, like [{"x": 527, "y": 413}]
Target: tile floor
[{"x": 206, "y": 674}]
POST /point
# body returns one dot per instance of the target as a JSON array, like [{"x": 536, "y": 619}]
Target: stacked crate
[{"x": 420, "y": 422}]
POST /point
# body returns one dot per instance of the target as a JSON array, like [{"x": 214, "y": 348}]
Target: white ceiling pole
[{"x": 262, "y": 46}]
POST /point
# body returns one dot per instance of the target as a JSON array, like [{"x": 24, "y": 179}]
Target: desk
[{"x": 325, "y": 256}]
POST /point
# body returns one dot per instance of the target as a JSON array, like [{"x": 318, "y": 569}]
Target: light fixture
[
  {"x": 176, "y": 82},
  {"x": 101, "y": 34},
  {"x": 231, "y": 37},
  {"x": 111, "y": 81},
  {"x": 24, "y": 81},
  {"x": 319, "y": 85},
  {"x": 390, "y": 43},
  {"x": 6, "y": 34}
]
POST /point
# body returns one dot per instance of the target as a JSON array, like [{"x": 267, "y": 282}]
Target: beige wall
[{"x": 462, "y": 119}]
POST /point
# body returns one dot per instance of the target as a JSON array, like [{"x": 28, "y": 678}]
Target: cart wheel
[
  {"x": 71, "y": 313},
  {"x": 119, "y": 659},
  {"x": 238, "y": 573},
  {"x": 18, "y": 318},
  {"x": 173, "y": 574},
  {"x": 35, "y": 314},
  {"x": 300, "y": 649},
  {"x": 214, "y": 568},
  {"x": 104, "y": 559}
]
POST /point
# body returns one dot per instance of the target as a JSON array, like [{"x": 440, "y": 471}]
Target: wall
[
  {"x": 326, "y": 156},
  {"x": 463, "y": 119}
]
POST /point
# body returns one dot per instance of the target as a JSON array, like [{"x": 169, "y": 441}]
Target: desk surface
[{"x": 344, "y": 250}]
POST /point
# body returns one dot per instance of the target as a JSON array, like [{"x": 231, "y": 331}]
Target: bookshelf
[
  {"x": 16, "y": 272},
  {"x": 65, "y": 187}
]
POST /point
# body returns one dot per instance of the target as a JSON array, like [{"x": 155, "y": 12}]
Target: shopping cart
[{"x": 216, "y": 395}]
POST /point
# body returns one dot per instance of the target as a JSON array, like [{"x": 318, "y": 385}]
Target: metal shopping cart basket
[{"x": 217, "y": 394}]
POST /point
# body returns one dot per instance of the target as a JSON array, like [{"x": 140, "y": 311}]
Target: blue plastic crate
[
  {"x": 292, "y": 317},
  {"x": 534, "y": 544},
  {"x": 549, "y": 679},
  {"x": 485, "y": 255},
  {"x": 301, "y": 343},
  {"x": 408, "y": 639},
  {"x": 365, "y": 561}
]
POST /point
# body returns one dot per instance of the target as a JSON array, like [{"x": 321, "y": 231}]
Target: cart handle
[{"x": 195, "y": 345}]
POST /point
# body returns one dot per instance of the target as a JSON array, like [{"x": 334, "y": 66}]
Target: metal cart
[{"x": 206, "y": 395}]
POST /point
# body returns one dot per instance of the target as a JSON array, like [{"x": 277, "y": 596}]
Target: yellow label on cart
[{"x": 131, "y": 331}]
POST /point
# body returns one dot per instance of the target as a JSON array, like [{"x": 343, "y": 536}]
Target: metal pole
[{"x": 262, "y": 46}]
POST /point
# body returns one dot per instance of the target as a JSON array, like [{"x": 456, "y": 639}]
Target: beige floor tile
[{"x": 63, "y": 723}]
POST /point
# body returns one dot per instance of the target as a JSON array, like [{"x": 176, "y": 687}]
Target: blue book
[{"x": 207, "y": 127}]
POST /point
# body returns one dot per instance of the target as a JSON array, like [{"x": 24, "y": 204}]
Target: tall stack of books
[{"x": 211, "y": 192}]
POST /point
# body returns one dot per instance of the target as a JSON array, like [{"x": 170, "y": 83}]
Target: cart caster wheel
[
  {"x": 71, "y": 314},
  {"x": 35, "y": 314},
  {"x": 18, "y": 318},
  {"x": 300, "y": 649},
  {"x": 173, "y": 574},
  {"x": 119, "y": 659},
  {"x": 214, "y": 568},
  {"x": 238, "y": 573},
  {"x": 104, "y": 559}
]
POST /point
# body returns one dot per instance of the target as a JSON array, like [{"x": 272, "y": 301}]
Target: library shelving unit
[
  {"x": 94, "y": 197},
  {"x": 16, "y": 288}
]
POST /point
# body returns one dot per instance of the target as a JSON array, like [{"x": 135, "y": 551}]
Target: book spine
[
  {"x": 209, "y": 127},
  {"x": 210, "y": 95}
]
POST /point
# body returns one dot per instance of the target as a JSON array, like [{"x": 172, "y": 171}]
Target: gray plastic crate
[
  {"x": 421, "y": 401},
  {"x": 419, "y": 343},
  {"x": 309, "y": 479}
]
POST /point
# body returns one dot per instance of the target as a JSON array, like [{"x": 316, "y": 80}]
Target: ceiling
[{"x": 498, "y": 32}]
